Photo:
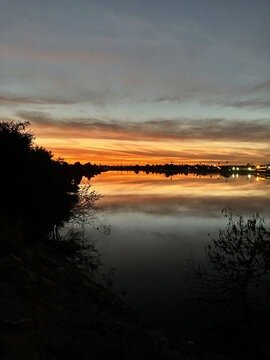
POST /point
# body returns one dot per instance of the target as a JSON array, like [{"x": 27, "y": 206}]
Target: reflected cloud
[
  {"x": 184, "y": 195},
  {"x": 202, "y": 206}
]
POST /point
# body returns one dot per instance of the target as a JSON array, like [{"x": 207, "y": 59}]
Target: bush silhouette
[
  {"x": 37, "y": 192},
  {"x": 234, "y": 282}
]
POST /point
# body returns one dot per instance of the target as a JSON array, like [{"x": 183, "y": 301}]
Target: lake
[{"x": 157, "y": 222}]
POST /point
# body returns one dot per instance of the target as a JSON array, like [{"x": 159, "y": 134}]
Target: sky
[{"x": 132, "y": 81}]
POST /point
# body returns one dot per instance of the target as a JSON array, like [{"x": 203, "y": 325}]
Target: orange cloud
[
  {"x": 152, "y": 141},
  {"x": 111, "y": 152}
]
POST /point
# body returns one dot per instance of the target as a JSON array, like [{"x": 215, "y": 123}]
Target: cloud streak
[
  {"x": 250, "y": 104},
  {"x": 50, "y": 55},
  {"x": 140, "y": 154},
  {"x": 25, "y": 100},
  {"x": 264, "y": 86},
  {"x": 158, "y": 129}
]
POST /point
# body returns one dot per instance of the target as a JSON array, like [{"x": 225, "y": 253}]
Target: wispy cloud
[
  {"x": 50, "y": 54},
  {"x": 156, "y": 129},
  {"x": 137, "y": 153},
  {"x": 20, "y": 100},
  {"x": 262, "y": 86},
  {"x": 250, "y": 104}
]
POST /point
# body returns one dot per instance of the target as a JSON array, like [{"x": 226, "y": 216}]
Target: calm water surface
[{"x": 157, "y": 222}]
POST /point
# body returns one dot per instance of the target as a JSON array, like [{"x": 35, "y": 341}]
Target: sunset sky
[{"x": 132, "y": 81}]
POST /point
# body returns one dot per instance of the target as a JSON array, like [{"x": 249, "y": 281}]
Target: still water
[{"x": 157, "y": 222}]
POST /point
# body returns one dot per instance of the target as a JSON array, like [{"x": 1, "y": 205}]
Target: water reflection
[
  {"x": 203, "y": 196},
  {"x": 157, "y": 222}
]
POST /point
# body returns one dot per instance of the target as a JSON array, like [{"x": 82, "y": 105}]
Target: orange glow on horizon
[{"x": 131, "y": 150}]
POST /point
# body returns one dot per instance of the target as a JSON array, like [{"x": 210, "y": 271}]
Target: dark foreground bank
[
  {"x": 50, "y": 306},
  {"x": 51, "y": 310}
]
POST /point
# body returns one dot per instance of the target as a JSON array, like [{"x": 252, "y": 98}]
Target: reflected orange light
[
  {"x": 116, "y": 183},
  {"x": 154, "y": 193}
]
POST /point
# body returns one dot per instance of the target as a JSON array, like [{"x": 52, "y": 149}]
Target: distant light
[
  {"x": 258, "y": 166},
  {"x": 249, "y": 176},
  {"x": 237, "y": 175},
  {"x": 233, "y": 175},
  {"x": 237, "y": 168},
  {"x": 233, "y": 168},
  {"x": 249, "y": 168}
]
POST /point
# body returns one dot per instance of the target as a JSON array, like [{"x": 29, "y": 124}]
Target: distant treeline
[
  {"x": 77, "y": 170},
  {"x": 171, "y": 169}
]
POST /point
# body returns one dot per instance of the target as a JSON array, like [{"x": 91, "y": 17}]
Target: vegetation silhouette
[
  {"x": 38, "y": 193},
  {"x": 234, "y": 281},
  {"x": 200, "y": 169},
  {"x": 51, "y": 306},
  {"x": 172, "y": 169}
]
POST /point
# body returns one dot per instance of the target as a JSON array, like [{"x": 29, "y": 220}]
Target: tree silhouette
[
  {"x": 233, "y": 282},
  {"x": 237, "y": 266},
  {"x": 37, "y": 192}
]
